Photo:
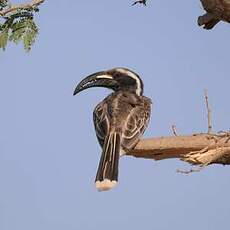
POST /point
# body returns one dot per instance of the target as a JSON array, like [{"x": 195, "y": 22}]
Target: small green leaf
[
  {"x": 3, "y": 3},
  {"x": 19, "y": 27},
  {"x": 17, "y": 30},
  {"x": 3, "y": 39}
]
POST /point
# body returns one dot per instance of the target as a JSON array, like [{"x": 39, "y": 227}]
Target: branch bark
[
  {"x": 217, "y": 10},
  {"x": 197, "y": 149},
  {"x": 16, "y": 7}
]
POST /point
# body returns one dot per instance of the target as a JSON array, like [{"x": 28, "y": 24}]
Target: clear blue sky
[{"x": 48, "y": 149}]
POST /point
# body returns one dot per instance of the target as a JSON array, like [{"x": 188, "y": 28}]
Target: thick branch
[
  {"x": 201, "y": 149},
  {"x": 25, "y": 6},
  {"x": 217, "y": 10}
]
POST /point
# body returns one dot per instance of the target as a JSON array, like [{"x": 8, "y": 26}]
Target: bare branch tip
[
  {"x": 208, "y": 112},
  {"x": 174, "y": 130}
]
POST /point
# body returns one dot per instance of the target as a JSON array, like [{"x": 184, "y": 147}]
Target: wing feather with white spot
[
  {"x": 135, "y": 125},
  {"x": 101, "y": 122}
]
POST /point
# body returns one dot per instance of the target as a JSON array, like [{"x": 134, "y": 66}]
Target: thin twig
[
  {"x": 174, "y": 130},
  {"x": 220, "y": 136},
  {"x": 20, "y": 7},
  {"x": 198, "y": 169},
  {"x": 224, "y": 134},
  {"x": 208, "y": 112}
]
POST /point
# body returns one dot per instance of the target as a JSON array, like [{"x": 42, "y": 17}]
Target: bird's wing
[
  {"x": 101, "y": 122},
  {"x": 135, "y": 125}
]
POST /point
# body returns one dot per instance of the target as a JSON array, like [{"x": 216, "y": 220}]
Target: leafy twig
[{"x": 24, "y": 6}]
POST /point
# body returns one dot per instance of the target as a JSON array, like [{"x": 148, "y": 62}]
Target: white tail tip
[{"x": 105, "y": 185}]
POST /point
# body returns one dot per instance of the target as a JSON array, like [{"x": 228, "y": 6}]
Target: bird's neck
[{"x": 130, "y": 90}]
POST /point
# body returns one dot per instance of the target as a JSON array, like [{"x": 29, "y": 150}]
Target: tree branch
[
  {"x": 197, "y": 149},
  {"x": 25, "y": 6},
  {"x": 217, "y": 10}
]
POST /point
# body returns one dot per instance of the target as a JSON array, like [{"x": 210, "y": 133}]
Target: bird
[
  {"x": 119, "y": 120},
  {"x": 140, "y": 1}
]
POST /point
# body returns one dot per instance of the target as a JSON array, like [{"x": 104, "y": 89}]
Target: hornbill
[{"x": 119, "y": 120}]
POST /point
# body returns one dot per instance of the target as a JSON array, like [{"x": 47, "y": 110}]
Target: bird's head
[{"x": 115, "y": 79}]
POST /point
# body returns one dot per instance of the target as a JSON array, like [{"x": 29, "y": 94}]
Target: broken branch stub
[{"x": 217, "y": 10}]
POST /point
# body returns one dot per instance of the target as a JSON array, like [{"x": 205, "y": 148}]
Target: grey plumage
[
  {"x": 124, "y": 114},
  {"x": 119, "y": 120}
]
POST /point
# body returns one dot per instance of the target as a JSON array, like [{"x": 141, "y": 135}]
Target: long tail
[{"x": 107, "y": 173}]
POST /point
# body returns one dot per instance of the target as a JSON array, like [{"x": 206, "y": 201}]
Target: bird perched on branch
[
  {"x": 119, "y": 120},
  {"x": 140, "y": 1}
]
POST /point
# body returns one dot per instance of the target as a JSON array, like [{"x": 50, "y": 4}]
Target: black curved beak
[{"x": 99, "y": 79}]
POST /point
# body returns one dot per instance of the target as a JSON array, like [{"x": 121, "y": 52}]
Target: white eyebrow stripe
[
  {"x": 134, "y": 76},
  {"x": 104, "y": 76}
]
